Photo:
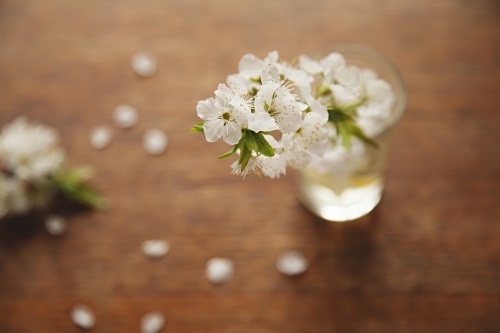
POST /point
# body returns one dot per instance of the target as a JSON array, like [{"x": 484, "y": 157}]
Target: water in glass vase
[{"x": 334, "y": 201}]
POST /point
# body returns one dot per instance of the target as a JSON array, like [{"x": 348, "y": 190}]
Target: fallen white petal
[
  {"x": 152, "y": 322},
  {"x": 154, "y": 141},
  {"x": 155, "y": 248},
  {"x": 292, "y": 263},
  {"x": 83, "y": 316},
  {"x": 56, "y": 225},
  {"x": 100, "y": 136},
  {"x": 219, "y": 270},
  {"x": 125, "y": 116},
  {"x": 144, "y": 64}
]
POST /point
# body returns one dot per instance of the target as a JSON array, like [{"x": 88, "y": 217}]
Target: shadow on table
[
  {"x": 17, "y": 230},
  {"x": 346, "y": 248}
]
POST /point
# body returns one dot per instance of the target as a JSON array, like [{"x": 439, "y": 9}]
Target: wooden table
[{"x": 426, "y": 260}]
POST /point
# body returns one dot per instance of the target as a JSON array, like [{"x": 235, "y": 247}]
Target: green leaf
[
  {"x": 343, "y": 117},
  {"x": 242, "y": 143},
  {"x": 345, "y": 134},
  {"x": 229, "y": 153},
  {"x": 250, "y": 141},
  {"x": 83, "y": 194},
  {"x": 263, "y": 146},
  {"x": 323, "y": 90},
  {"x": 87, "y": 196},
  {"x": 253, "y": 92},
  {"x": 198, "y": 128},
  {"x": 71, "y": 184},
  {"x": 350, "y": 109},
  {"x": 245, "y": 156},
  {"x": 336, "y": 115},
  {"x": 76, "y": 175},
  {"x": 256, "y": 80},
  {"x": 358, "y": 132}
]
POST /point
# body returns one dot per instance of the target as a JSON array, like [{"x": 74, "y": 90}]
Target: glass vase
[{"x": 353, "y": 187}]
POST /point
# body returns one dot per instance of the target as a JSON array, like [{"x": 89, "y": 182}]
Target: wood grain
[{"x": 426, "y": 260}]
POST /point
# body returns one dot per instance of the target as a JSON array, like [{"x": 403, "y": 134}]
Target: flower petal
[
  {"x": 302, "y": 106},
  {"x": 314, "y": 136},
  {"x": 213, "y": 129},
  {"x": 238, "y": 83},
  {"x": 239, "y": 104},
  {"x": 349, "y": 77},
  {"x": 309, "y": 65},
  {"x": 251, "y": 66},
  {"x": 272, "y": 58},
  {"x": 332, "y": 63},
  {"x": 231, "y": 133},
  {"x": 224, "y": 95},
  {"x": 289, "y": 118},
  {"x": 273, "y": 167},
  {"x": 343, "y": 95},
  {"x": 273, "y": 142},
  {"x": 298, "y": 76},
  {"x": 320, "y": 110},
  {"x": 262, "y": 122},
  {"x": 265, "y": 96},
  {"x": 206, "y": 109},
  {"x": 270, "y": 74}
]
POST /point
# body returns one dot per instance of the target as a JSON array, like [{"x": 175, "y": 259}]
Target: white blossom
[
  {"x": 249, "y": 78},
  {"x": 296, "y": 75},
  {"x": 32, "y": 170},
  {"x": 224, "y": 116},
  {"x": 311, "y": 137},
  {"x": 273, "y": 167},
  {"x": 344, "y": 81},
  {"x": 328, "y": 66},
  {"x": 293, "y": 152},
  {"x": 30, "y": 151},
  {"x": 348, "y": 88},
  {"x": 310, "y": 66},
  {"x": 378, "y": 94},
  {"x": 29, "y": 154},
  {"x": 253, "y": 166},
  {"x": 275, "y": 105},
  {"x": 249, "y": 72},
  {"x": 314, "y": 105}
]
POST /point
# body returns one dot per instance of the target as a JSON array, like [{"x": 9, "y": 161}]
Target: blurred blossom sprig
[{"x": 33, "y": 171}]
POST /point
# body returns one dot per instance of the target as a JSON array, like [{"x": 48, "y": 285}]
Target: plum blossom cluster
[
  {"x": 32, "y": 170},
  {"x": 275, "y": 114}
]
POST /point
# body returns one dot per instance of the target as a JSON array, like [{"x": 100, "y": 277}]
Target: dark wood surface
[{"x": 426, "y": 260}]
